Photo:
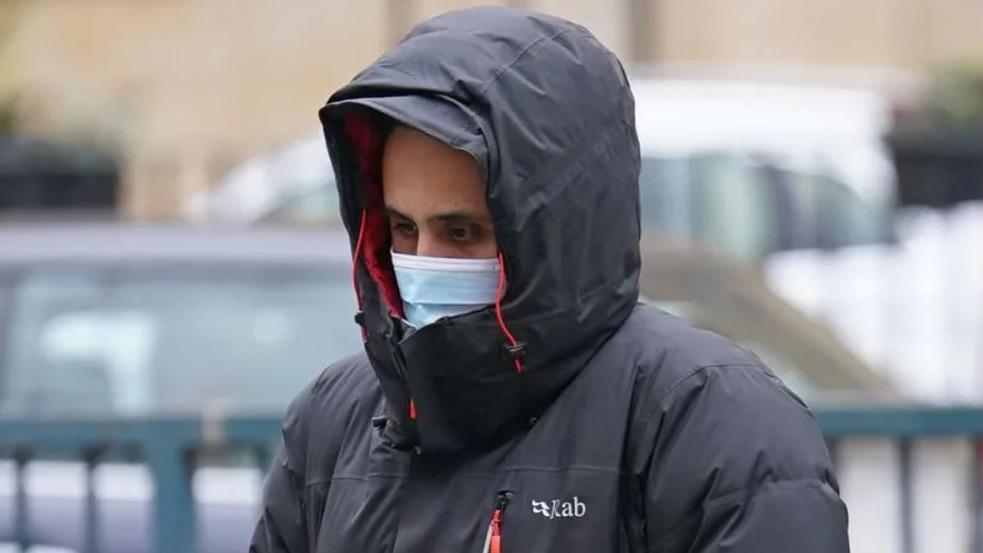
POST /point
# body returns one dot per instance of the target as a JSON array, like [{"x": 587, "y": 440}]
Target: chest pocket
[
  {"x": 566, "y": 511},
  {"x": 567, "y": 482}
]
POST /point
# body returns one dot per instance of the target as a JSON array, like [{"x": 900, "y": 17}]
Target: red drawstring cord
[
  {"x": 355, "y": 260},
  {"x": 358, "y": 293},
  {"x": 498, "y": 310},
  {"x": 495, "y": 544}
]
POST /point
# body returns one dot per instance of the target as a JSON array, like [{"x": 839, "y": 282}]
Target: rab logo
[{"x": 555, "y": 508}]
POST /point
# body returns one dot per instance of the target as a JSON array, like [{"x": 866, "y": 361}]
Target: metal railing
[
  {"x": 920, "y": 452},
  {"x": 169, "y": 448}
]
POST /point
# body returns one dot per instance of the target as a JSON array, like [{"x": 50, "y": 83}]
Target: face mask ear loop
[
  {"x": 356, "y": 258},
  {"x": 515, "y": 348}
]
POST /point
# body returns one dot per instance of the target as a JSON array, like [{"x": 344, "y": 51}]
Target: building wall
[
  {"x": 902, "y": 33},
  {"x": 187, "y": 88}
]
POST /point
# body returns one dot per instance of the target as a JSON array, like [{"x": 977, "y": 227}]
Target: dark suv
[{"x": 106, "y": 321}]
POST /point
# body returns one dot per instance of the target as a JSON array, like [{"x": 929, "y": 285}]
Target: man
[{"x": 514, "y": 396}]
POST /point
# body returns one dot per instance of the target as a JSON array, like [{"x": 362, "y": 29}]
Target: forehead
[{"x": 421, "y": 173}]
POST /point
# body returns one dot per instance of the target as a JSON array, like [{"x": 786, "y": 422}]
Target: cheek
[
  {"x": 403, "y": 244},
  {"x": 486, "y": 248}
]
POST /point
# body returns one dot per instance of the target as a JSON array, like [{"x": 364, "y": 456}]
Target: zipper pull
[
  {"x": 495, "y": 528},
  {"x": 495, "y": 545}
]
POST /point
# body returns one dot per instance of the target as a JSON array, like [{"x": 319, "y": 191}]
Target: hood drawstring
[
  {"x": 360, "y": 316},
  {"x": 514, "y": 348}
]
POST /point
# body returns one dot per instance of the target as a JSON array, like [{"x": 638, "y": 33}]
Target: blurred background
[{"x": 173, "y": 269}]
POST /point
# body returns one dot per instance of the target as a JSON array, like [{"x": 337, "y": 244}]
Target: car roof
[
  {"x": 117, "y": 243},
  {"x": 810, "y": 129}
]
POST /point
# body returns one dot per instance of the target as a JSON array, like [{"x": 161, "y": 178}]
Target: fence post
[
  {"x": 172, "y": 466},
  {"x": 93, "y": 522},
  {"x": 906, "y": 495},
  {"x": 22, "y": 520},
  {"x": 976, "y": 480}
]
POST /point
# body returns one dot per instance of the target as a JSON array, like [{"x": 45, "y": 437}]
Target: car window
[
  {"x": 748, "y": 209},
  {"x": 840, "y": 216},
  {"x": 145, "y": 342},
  {"x": 720, "y": 201}
]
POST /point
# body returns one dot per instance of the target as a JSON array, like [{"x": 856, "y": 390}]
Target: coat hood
[{"x": 546, "y": 112}]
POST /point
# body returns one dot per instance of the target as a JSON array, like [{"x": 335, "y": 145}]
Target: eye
[
  {"x": 404, "y": 227},
  {"x": 461, "y": 233}
]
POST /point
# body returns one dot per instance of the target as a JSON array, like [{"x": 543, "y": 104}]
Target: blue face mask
[{"x": 435, "y": 287}]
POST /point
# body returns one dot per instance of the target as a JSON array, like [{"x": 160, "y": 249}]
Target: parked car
[{"x": 108, "y": 321}]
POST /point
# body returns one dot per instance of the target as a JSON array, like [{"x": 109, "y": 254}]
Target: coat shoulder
[
  {"x": 667, "y": 342},
  {"x": 714, "y": 422},
  {"x": 679, "y": 367},
  {"x": 319, "y": 417},
  {"x": 668, "y": 352}
]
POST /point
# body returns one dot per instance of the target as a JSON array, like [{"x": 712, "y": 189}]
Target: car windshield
[{"x": 149, "y": 342}]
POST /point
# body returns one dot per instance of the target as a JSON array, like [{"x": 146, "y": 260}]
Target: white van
[{"x": 750, "y": 169}]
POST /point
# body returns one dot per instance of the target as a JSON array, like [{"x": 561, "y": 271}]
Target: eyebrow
[
  {"x": 390, "y": 212},
  {"x": 459, "y": 217},
  {"x": 449, "y": 217}
]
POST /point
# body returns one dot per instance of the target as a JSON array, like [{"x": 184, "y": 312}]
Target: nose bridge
[
  {"x": 428, "y": 244},
  {"x": 424, "y": 241}
]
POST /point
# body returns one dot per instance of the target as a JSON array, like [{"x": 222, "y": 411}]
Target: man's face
[{"x": 435, "y": 199}]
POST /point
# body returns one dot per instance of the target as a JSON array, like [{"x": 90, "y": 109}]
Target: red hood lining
[{"x": 373, "y": 242}]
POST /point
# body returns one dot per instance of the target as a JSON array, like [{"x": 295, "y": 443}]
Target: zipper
[{"x": 493, "y": 539}]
